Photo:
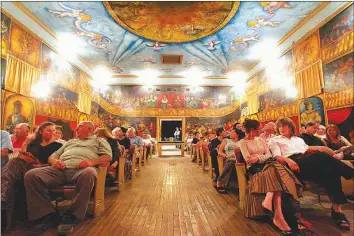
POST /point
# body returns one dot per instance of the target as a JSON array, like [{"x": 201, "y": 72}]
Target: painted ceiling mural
[{"x": 238, "y": 27}]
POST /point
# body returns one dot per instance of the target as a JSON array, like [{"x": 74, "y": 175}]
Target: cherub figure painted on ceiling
[
  {"x": 271, "y": 7},
  {"x": 94, "y": 39},
  {"x": 241, "y": 43}
]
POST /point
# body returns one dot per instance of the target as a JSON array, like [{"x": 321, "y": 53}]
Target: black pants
[
  {"x": 214, "y": 163},
  {"x": 325, "y": 170}
]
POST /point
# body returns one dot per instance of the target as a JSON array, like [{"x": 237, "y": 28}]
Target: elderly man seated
[
  {"x": 147, "y": 142},
  {"x": 73, "y": 163},
  {"x": 21, "y": 132}
]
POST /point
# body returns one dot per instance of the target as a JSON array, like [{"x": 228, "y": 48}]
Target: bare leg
[
  {"x": 268, "y": 201},
  {"x": 337, "y": 207},
  {"x": 279, "y": 220}
]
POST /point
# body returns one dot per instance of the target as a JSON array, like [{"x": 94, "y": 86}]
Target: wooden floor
[{"x": 172, "y": 196}]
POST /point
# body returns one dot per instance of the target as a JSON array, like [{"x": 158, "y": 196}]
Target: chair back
[{"x": 238, "y": 156}]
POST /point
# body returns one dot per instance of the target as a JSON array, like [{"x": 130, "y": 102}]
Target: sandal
[
  {"x": 340, "y": 219},
  {"x": 221, "y": 190}
]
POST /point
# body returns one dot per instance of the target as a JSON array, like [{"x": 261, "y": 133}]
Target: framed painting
[
  {"x": 311, "y": 109},
  {"x": 306, "y": 52},
  {"x": 5, "y": 34}
]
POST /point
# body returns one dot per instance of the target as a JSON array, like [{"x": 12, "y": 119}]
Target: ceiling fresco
[{"x": 238, "y": 26}]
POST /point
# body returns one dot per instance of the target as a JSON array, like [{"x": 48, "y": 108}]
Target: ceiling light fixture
[{"x": 68, "y": 46}]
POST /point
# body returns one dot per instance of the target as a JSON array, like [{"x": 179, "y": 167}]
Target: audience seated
[
  {"x": 268, "y": 179},
  {"x": 309, "y": 135},
  {"x": 314, "y": 163},
  {"x": 321, "y": 132},
  {"x": 35, "y": 152},
  {"x": 73, "y": 163},
  {"x": 213, "y": 148},
  {"x": 59, "y": 134},
  {"x": 137, "y": 141},
  {"x": 147, "y": 142},
  {"x": 268, "y": 131},
  {"x": 226, "y": 151},
  {"x": 118, "y": 133},
  {"x": 6, "y": 147},
  {"x": 21, "y": 131},
  {"x": 334, "y": 140},
  {"x": 195, "y": 141},
  {"x": 103, "y": 133}
]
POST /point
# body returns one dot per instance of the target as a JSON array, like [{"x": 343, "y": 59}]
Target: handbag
[{"x": 28, "y": 157}]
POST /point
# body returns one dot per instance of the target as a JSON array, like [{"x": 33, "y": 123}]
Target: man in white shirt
[{"x": 312, "y": 163}]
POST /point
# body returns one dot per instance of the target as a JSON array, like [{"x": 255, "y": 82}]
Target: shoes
[
  {"x": 340, "y": 219},
  {"x": 66, "y": 225},
  {"x": 43, "y": 224}
]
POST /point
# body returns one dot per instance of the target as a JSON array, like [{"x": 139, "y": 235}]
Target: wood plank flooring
[{"x": 172, "y": 196}]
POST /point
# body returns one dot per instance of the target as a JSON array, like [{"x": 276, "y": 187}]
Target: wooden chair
[
  {"x": 145, "y": 154},
  {"x": 241, "y": 176},
  {"x": 220, "y": 162},
  {"x": 66, "y": 192},
  {"x": 121, "y": 172},
  {"x": 210, "y": 166},
  {"x": 133, "y": 155}
]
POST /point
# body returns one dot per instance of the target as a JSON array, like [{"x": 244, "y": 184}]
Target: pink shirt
[{"x": 282, "y": 146}]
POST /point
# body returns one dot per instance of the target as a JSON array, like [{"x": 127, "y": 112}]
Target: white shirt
[
  {"x": 282, "y": 146},
  {"x": 147, "y": 142}
]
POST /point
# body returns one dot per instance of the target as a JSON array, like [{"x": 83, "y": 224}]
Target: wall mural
[
  {"x": 141, "y": 124},
  {"x": 311, "y": 109},
  {"x": 55, "y": 68},
  {"x": 204, "y": 124},
  {"x": 337, "y": 35},
  {"x": 244, "y": 109},
  {"x": 5, "y": 34},
  {"x": 17, "y": 109},
  {"x": 25, "y": 46},
  {"x": 109, "y": 43},
  {"x": 138, "y": 97},
  {"x": 274, "y": 98},
  {"x": 306, "y": 52},
  {"x": 338, "y": 74},
  {"x": 61, "y": 103}
]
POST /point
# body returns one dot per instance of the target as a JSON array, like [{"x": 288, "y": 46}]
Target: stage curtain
[
  {"x": 84, "y": 103},
  {"x": 308, "y": 82},
  {"x": 253, "y": 103},
  {"x": 20, "y": 76},
  {"x": 339, "y": 115}
]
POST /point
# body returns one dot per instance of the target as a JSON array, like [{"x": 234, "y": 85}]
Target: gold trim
[
  {"x": 45, "y": 27},
  {"x": 231, "y": 14}
]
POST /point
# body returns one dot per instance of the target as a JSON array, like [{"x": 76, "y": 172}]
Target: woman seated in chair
[
  {"x": 338, "y": 143},
  {"x": 103, "y": 133},
  {"x": 226, "y": 150},
  {"x": 268, "y": 179},
  {"x": 34, "y": 153},
  {"x": 314, "y": 164}
]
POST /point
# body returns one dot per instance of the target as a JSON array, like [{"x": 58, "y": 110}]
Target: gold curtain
[
  {"x": 253, "y": 103},
  {"x": 84, "y": 102},
  {"x": 20, "y": 76},
  {"x": 308, "y": 82}
]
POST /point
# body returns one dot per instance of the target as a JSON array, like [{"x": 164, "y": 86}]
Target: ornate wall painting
[
  {"x": 311, "y": 109},
  {"x": 337, "y": 35},
  {"x": 82, "y": 117},
  {"x": 68, "y": 126},
  {"x": 282, "y": 111},
  {"x": 3, "y": 72},
  {"x": 25, "y": 46},
  {"x": 306, "y": 52},
  {"x": 244, "y": 110},
  {"x": 204, "y": 124},
  {"x": 94, "y": 108},
  {"x": 340, "y": 98},
  {"x": 5, "y": 35},
  {"x": 55, "y": 68},
  {"x": 174, "y": 97},
  {"x": 274, "y": 98},
  {"x": 61, "y": 103},
  {"x": 338, "y": 74},
  {"x": 140, "y": 124},
  {"x": 17, "y": 109}
]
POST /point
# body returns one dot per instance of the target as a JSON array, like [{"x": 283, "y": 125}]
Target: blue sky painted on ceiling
[{"x": 107, "y": 43}]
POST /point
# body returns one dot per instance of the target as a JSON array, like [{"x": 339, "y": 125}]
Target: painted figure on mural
[
  {"x": 16, "y": 117},
  {"x": 178, "y": 102},
  {"x": 164, "y": 102},
  {"x": 310, "y": 114}
]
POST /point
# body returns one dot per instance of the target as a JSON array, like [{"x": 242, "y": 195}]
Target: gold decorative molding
[
  {"x": 339, "y": 99},
  {"x": 49, "y": 109},
  {"x": 282, "y": 111},
  {"x": 338, "y": 49}
]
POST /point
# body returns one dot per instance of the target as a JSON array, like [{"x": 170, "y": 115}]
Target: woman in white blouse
[
  {"x": 268, "y": 178},
  {"x": 313, "y": 163}
]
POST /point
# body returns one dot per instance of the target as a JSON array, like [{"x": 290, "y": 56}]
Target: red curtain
[{"x": 339, "y": 115}]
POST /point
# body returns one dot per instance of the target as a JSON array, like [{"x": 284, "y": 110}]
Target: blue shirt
[
  {"x": 6, "y": 140},
  {"x": 137, "y": 141}
]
